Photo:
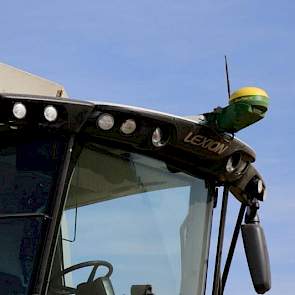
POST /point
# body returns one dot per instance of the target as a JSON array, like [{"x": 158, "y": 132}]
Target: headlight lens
[
  {"x": 157, "y": 138},
  {"x": 236, "y": 164},
  {"x": 50, "y": 113},
  {"x": 233, "y": 162},
  {"x": 19, "y": 110},
  {"x": 128, "y": 127},
  {"x": 105, "y": 121}
]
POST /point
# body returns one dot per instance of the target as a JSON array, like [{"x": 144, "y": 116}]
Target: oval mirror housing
[{"x": 257, "y": 256}]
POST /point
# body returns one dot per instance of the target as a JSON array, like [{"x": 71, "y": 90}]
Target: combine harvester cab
[{"x": 103, "y": 199}]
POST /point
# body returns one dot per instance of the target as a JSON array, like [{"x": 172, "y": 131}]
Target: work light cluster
[
  {"x": 235, "y": 164},
  {"x": 20, "y": 111},
  {"x": 106, "y": 122}
]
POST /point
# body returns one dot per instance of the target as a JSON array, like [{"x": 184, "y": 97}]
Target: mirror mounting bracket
[{"x": 251, "y": 216}]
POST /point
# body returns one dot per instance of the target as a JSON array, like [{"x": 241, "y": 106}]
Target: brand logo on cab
[{"x": 206, "y": 143}]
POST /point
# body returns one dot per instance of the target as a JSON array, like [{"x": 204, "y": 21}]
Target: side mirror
[{"x": 257, "y": 256}]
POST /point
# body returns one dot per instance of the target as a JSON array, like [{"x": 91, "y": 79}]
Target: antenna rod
[{"x": 227, "y": 78}]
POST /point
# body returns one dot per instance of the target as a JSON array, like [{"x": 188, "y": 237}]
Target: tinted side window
[{"x": 29, "y": 168}]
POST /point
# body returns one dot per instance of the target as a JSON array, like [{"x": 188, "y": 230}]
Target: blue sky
[{"x": 168, "y": 55}]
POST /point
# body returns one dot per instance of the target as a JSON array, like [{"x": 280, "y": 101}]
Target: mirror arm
[
  {"x": 233, "y": 245},
  {"x": 251, "y": 216},
  {"x": 217, "y": 283}
]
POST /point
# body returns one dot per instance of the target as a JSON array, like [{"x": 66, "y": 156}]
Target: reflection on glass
[
  {"x": 28, "y": 171},
  {"x": 19, "y": 242},
  {"x": 150, "y": 222}
]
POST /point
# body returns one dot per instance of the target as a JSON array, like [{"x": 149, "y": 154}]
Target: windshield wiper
[{"x": 24, "y": 215}]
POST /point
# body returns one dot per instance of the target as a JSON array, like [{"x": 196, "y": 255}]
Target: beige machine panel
[{"x": 13, "y": 80}]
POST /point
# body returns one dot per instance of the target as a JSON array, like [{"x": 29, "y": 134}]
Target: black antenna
[{"x": 227, "y": 78}]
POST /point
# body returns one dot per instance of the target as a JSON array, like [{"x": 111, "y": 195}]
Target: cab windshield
[{"x": 150, "y": 222}]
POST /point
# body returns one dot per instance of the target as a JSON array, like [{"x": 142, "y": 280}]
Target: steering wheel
[{"x": 64, "y": 290}]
